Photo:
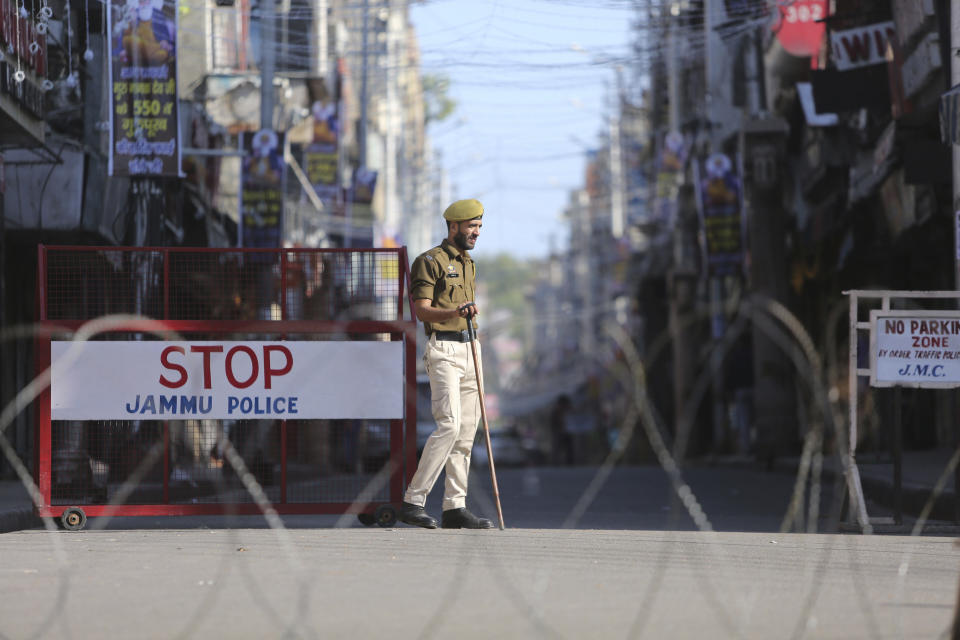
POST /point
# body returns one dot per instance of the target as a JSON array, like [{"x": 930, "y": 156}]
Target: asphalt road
[
  {"x": 618, "y": 573},
  {"x": 519, "y": 583}
]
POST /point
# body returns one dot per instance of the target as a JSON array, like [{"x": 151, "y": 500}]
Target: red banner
[{"x": 800, "y": 27}]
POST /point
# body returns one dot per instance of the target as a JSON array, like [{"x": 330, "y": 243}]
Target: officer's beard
[{"x": 460, "y": 240}]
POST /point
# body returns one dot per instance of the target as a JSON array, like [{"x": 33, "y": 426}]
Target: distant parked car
[
  {"x": 508, "y": 448},
  {"x": 375, "y": 445}
]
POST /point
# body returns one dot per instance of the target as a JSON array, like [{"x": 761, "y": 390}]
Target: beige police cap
[{"x": 464, "y": 210}]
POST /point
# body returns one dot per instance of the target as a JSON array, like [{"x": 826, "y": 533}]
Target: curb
[
  {"x": 18, "y": 520},
  {"x": 913, "y": 497}
]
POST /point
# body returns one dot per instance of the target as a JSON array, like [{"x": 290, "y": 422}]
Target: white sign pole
[{"x": 857, "y": 503}]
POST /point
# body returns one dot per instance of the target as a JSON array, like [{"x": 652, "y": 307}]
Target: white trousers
[{"x": 455, "y": 402}]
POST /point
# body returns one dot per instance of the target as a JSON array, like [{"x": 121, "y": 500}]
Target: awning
[
  {"x": 950, "y": 116},
  {"x": 835, "y": 91},
  {"x": 926, "y": 161}
]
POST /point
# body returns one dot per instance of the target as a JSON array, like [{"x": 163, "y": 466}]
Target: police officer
[{"x": 443, "y": 292}]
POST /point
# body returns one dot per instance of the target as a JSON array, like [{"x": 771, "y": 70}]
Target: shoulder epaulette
[{"x": 440, "y": 256}]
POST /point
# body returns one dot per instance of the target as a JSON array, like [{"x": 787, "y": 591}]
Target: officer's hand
[{"x": 468, "y": 310}]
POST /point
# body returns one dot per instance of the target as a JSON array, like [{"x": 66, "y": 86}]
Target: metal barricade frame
[
  {"x": 860, "y": 300},
  {"x": 77, "y": 284}
]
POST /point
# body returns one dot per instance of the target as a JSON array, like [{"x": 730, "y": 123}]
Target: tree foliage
[
  {"x": 508, "y": 281},
  {"x": 438, "y": 105}
]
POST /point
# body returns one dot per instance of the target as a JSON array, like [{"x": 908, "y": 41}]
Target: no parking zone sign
[
  {"x": 915, "y": 349},
  {"x": 165, "y": 380}
]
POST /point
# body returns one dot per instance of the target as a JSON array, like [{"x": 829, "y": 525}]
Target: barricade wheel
[
  {"x": 366, "y": 519},
  {"x": 386, "y": 515},
  {"x": 73, "y": 519}
]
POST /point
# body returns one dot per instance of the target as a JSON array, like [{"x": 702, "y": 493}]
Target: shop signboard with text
[
  {"x": 861, "y": 46},
  {"x": 800, "y": 26}
]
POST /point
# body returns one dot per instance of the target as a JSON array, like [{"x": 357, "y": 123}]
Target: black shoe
[
  {"x": 463, "y": 519},
  {"x": 417, "y": 516}
]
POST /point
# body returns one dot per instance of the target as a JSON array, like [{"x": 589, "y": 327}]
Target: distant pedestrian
[
  {"x": 562, "y": 439},
  {"x": 443, "y": 291}
]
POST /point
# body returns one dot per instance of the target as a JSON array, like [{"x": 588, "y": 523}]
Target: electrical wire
[
  {"x": 297, "y": 53},
  {"x": 507, "y": 57}
]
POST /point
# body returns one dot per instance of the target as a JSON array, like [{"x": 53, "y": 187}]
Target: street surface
[{"x": 617, "y": 574}]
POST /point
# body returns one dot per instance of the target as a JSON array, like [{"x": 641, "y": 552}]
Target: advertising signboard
[
  {"x": 915, "y": 349},
  {"x": 321, "y": 156},
  {"x": 144, "y": 119},
  {"x": 800, "y": 26},
  {"x": 166, "y": 380},
  {"x": 261, "y": 193},
  {"x": 720, "y": 204}
]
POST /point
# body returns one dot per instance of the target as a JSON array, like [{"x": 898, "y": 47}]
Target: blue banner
[
  {"x": 261, "y": 189},
  {"x": 720, "y": 205}
]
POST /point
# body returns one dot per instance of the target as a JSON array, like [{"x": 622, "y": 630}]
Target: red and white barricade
[{"x": 179, "y": 375}]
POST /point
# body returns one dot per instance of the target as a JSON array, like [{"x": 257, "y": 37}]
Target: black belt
[{"x": 452, "y": 336}]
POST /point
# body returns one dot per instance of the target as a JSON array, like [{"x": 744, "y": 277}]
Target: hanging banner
[
  {"x": 670, "y": 166},
  {"x": 321, "y": 169},
  {"x": 320, "y": 157},
  {"x": 364, "y": 184},
  {"x": 720, "y": 205},
  {"x": 261, "y": 189},
  {"x": 144, "y": 119}
]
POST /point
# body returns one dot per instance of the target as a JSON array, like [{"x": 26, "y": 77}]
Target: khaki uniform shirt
[{"x": 446, "y": 277}]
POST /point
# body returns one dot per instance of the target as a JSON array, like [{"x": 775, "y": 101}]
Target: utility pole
[
  {"x": 268, "y": 62},
  {"x": 617, "y": 204},
  {"x": 389, "y": 170},
  {"x": 762, "y": 145},
  {"x": 673, "y": 80},
  {"x": 322, "y": 57},
  {"x": 955, "y": 148},
  {"x": 954, "y": 81},
  {"x": 682, "y": 277},
  {"x": 3, "y": 295},
  {"x": 717, "y": 317},
  {"x": 362, "y": 134}
]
